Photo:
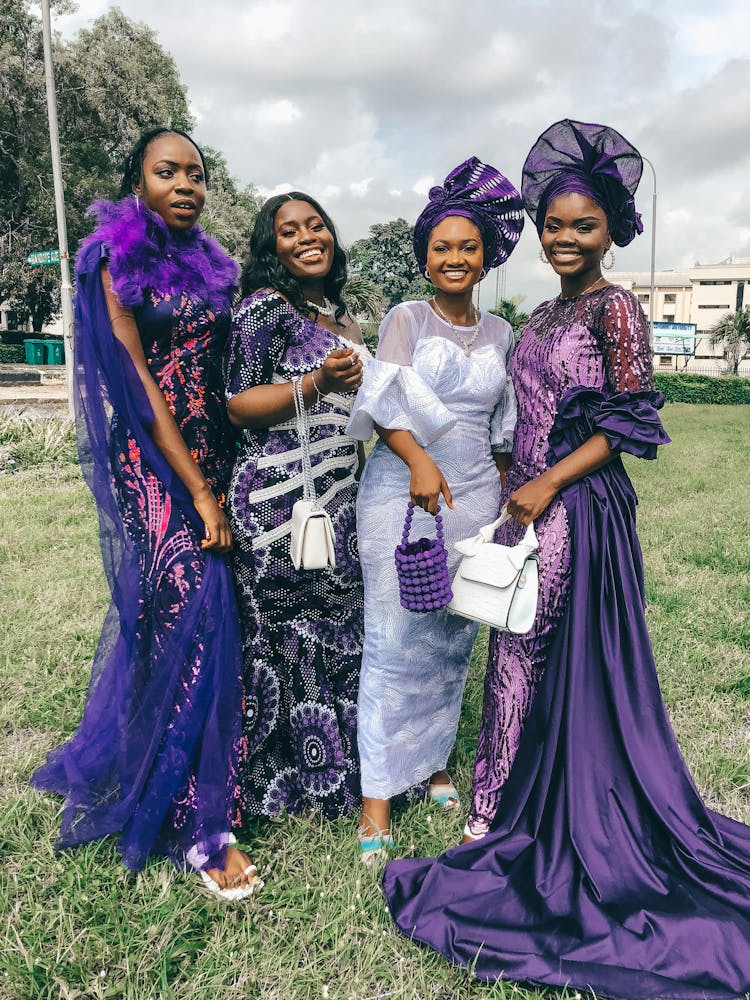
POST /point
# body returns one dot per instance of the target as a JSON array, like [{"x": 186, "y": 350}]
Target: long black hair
[
  {"x": 132, "y": 165},
  {"x": 263, "y": 269}
]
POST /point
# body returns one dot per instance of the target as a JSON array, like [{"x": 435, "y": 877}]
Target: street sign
[{"x": 42, "y": 257}]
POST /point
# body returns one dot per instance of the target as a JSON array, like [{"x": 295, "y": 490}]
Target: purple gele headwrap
[
  {"x": 479, "y": 192},
  {"x": 592, "y": 160}
]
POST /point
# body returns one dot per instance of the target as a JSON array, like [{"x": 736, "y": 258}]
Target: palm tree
[
  {"x": 733, "y": 332},
  {"x": 508, "y": 310},
  {"x": 364, "y": 298}
]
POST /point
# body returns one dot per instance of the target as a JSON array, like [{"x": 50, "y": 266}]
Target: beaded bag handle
[{"x": 424, "y": 583}]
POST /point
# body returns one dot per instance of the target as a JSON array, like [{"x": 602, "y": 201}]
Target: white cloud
[{"x": 352, "y": 102}]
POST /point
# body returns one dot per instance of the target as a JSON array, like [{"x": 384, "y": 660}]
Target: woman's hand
[
  {"x": 531, "y": 499},
  {"x": 218, "y": 534},
  {"x": 340, "y": 372},
  {"x": 427, "y": 483}
]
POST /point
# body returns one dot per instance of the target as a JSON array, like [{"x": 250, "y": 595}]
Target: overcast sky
[{"x": 365, "y": 105}]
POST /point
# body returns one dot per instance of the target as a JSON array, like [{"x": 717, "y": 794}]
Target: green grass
[{"x": 78, "y": 925}]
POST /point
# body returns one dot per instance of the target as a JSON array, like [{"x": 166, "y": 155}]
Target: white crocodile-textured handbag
[
  {"x": 311, "y": 543},
  {"x": 497, "y": 585}
]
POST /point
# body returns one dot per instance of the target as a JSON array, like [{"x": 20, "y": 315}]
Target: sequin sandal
[{"x": 444, "y": 794}]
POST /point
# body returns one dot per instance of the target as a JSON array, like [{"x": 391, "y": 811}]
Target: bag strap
[
  {"x": 488, "y": 531},
  {"x": 408, "y": 520},
  {"x": 303, "y": 433}
]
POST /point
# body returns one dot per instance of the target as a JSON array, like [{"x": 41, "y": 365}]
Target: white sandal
[{"x": 236, "y": 893}]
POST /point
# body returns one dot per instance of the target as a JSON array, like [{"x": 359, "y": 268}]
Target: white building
[{"x": 702, "y": 295}]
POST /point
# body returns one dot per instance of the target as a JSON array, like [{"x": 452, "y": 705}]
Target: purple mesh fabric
[
  {"x": 479, "y": 192},
  {"x": 593, "y": 160},
  {"x": 153, "y": 756}
]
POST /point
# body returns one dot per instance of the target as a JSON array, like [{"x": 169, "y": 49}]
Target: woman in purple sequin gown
[
  {"x": 596, "y": 864},
  {"x": 154, "y": 757}
]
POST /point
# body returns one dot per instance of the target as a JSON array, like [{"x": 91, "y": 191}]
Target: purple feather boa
[{"x": 143, "y": 252}]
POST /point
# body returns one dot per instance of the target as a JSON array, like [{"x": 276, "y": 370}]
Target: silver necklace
[
  {"x": 326, "y": 309},
  {"x": 465, "y": 342}
]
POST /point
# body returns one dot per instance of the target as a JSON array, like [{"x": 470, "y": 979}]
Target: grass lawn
[{"x": 78, "y": 925}]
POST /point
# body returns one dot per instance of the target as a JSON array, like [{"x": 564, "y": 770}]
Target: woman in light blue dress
[{"x": 440, "y": 399}]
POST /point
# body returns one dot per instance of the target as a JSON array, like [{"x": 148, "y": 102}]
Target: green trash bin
[
  {"x": 34, "y": 351},
  {"x": 54, "y": 349}
]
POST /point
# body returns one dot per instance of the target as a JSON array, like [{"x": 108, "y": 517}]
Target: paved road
[{"x": 49, "y": 400}]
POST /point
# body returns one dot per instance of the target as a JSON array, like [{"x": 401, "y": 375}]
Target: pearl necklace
[
  {"x": 565, "y": 298},
  {"x": 462, "y": 340},
  {"x": 328, "y": 308}
]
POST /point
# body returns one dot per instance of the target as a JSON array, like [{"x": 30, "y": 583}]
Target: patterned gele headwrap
[{"x": 479, "y": 192}]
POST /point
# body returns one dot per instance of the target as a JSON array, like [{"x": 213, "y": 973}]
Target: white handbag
[
  {"x": 311, "y": 544},
  {"x": 497, "y": 585}
]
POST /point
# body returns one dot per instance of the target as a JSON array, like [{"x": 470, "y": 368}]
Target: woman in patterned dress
[
  {"x": 154, "y": 756},
  {"x": 302, "y": 629}
]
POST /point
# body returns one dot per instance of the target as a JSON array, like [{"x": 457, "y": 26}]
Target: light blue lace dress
[{"x": 461, "y": 409}]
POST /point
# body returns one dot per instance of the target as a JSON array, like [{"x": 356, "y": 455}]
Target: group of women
[{"x": 229, "y": 685}]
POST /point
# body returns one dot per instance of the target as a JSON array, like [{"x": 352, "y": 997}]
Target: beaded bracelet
[{"x": 424, "y": 583}]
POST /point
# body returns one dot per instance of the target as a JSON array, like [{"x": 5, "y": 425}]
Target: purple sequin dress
[
  {"x": 302, "y": 629},
  {"x": 153, "y": 758},
  {"x": 584, "y": 341},
  {"x": 602, "y": 868}
]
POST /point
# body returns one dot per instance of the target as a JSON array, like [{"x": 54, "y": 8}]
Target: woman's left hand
[{"x": 531, "y": 499}]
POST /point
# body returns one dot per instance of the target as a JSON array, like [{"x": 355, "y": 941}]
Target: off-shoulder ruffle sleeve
[
  {"x": 257, "y": 341},
  {"x": 628, "y": 420},
  {"x": 396, "y": 397}
]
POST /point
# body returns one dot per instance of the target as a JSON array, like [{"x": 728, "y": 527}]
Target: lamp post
[
  {"x": 651, "y": 303},
  {"x": 66, "y": 290}
]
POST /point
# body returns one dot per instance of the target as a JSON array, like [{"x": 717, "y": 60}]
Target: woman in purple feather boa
[{"x": 153, "y": 758}]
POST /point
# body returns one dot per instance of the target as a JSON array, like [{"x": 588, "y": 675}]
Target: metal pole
[
  {"x": 66, "y": 290},
  {"x": 651, "y": 303}
]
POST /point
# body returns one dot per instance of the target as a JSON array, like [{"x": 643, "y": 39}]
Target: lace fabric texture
[{"x": 414, "y": 665}]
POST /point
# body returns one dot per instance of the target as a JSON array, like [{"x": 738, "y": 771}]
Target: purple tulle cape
[
  {"x": 603, "y": 868},
  {"x": 108, "y": 771}
]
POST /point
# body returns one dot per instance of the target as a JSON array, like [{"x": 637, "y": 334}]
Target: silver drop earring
[
  {"x": 543, "y": 256},
  {"x": 608, "y": 267}
]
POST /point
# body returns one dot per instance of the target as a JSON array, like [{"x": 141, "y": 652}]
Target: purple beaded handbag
[{"x": 422, "y": 568}]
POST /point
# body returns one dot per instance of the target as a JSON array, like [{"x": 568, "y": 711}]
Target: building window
[
  {"x": 670, "y": 297},
  {"x": 643, "y": 299},
  {"x": 714, "y": 282},
  {"x": 714, "y": 307},
  {"x": 665, "y": 360}
]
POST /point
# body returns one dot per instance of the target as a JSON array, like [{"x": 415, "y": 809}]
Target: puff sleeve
[{"x": 393, "y": 395}]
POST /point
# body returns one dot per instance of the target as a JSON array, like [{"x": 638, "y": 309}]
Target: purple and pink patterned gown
[
  {"x": 602, "y": 869},
  {"x": 302, "y": 629},
  {"x": 153, "y": 758}
]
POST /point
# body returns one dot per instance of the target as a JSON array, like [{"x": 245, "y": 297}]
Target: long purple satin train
[{"x": 603, "y": 869}]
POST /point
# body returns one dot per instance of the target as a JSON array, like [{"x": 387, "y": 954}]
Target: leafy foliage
[
  {"x": 364, "y": 298},
  {"x": 508, "y": 310},
  {"x": 386, "y": 258},
  {"x": 687, "y": 388},
  {"x": 113, "y": 82},
  {"x": 733, "y": 332}
]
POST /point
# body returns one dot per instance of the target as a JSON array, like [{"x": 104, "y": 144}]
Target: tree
[
  {"x": 364, "y": 298},
  {"x": 113, "y": 82},
  {"x": 733, "y": 333},
  {"x": 230, "y": 213},
  {"x": 386, "y": 258},
  {"x": 508, "y": 310}
]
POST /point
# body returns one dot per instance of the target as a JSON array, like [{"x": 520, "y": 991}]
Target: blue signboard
[
  {"x": 675, "y": 338},
  {"x": 41, "y": 257}
]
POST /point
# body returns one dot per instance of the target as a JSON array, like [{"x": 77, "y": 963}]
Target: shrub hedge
[
  {"x": 12, "y": 354},
  {"x": 686, "y": 388}
]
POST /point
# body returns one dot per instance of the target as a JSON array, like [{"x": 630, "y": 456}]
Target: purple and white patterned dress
[
  {"x": 583, "y": 341},
  {"x": 302, "y": 629}
]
